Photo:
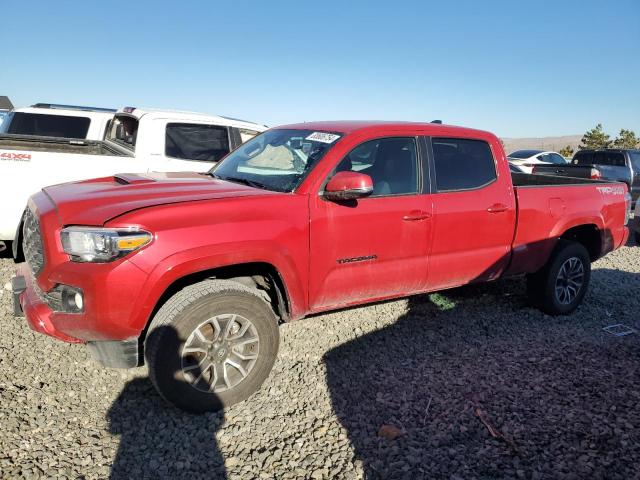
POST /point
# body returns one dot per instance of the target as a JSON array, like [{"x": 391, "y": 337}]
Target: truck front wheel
[
  {"x": 559, "y": 287},
  {"x": 211, "y": 345}
]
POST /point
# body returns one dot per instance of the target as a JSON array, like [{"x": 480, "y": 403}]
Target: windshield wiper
[{"x": 244, "y": 181}]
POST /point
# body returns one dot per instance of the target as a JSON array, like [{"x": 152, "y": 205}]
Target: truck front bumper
[
  {"x": 27, "y": 303},
  {"x": 102, "y": 325}
]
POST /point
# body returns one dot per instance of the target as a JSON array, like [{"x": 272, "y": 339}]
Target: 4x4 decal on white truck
[{"x": 18, "y": 157}]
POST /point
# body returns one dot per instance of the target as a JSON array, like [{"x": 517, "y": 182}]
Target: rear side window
[
  {"x": 615, "y": 159},
  {"x": 583, "y": 158},
  {"x": 635, "y": 161},
  {"x": 556, "y": 159},
  {"x": 206, "y": 143},
  {"x": 22, "y": 123},
  {"x": 462, "y": 164}
]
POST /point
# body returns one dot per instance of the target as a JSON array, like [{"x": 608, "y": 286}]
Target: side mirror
[{"x": 348, "y": 186}]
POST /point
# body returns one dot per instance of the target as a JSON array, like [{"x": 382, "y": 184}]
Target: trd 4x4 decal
[{"x": 18, "y": 157}]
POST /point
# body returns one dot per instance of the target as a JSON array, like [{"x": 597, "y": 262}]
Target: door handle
[
  {"x": 416, "y": 215},
  {"x": 497, "y": 208}
]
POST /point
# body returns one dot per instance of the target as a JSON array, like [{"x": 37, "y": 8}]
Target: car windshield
[{"x": 277, "y": 159}]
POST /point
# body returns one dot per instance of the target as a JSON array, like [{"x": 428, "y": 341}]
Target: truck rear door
[{"x": 474, "y": 212}]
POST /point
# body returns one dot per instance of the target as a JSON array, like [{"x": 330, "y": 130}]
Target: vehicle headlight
[{"x": 91, "y": 244}]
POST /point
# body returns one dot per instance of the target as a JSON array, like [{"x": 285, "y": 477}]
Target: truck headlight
[{"x": 91, "y": 244}]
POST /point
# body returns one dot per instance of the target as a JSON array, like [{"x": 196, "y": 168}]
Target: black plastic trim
[{"x": 115, "y": 354}]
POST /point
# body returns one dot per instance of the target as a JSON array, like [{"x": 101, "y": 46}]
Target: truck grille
[{"x": 32, "y": 242}]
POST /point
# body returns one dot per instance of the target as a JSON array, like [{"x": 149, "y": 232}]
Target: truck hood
[{"x": 96, "y": 201}]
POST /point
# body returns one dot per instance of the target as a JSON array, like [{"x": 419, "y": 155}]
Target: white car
[
  {"x": 51, "y": 120},
  {"x": 527, "y": 159},
  {"x": 136, "y": 141}
]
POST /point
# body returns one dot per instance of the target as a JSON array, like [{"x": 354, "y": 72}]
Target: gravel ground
[{"x": 561, "y": 395}]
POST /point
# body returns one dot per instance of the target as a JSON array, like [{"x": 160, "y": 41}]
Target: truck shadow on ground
[
  {"x": 547, "y": 384},
  {"x": 160, "y": 441}
]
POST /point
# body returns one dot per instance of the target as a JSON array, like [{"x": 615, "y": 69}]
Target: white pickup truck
[{"x": 136, "y": 140}]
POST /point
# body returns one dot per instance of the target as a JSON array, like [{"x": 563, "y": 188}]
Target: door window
[
  {"x": 556, "y": 159},
  {"x": 206, "y": 143},
  {"x": 462, "y": 164},
  {"x": 583, "y": 158},
  {"x": 614, "y": 159},
  {"x": 392, "y": 164}
]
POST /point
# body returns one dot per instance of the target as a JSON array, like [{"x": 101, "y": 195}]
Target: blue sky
[{"x": 520, "y": 69}]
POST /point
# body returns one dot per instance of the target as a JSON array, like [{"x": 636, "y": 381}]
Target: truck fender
[{"x": 201, "y": 260}]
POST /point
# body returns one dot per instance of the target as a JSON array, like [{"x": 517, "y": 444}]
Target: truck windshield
[{"x": 277, "y": 159}]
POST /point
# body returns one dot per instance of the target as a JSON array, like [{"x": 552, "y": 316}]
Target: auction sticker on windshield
[{"x": 323, "y": 137}]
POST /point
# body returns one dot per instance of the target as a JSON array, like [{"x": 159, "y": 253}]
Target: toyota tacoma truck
[
  {"x": 192, "y": 274},
  {"x": 135, "y": 140}
]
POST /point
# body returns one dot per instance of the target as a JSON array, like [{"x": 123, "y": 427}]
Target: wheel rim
[
  {"x": 220, "y": 353},
  {"x": 570, "y": 280}
]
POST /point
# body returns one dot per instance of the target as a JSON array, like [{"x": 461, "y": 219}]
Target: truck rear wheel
[
  {"x": 211, "y": 345},
  {"x": 559, "y": 287}
]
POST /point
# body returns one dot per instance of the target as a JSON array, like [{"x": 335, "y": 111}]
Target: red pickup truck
[{"x": 192, "y": 273}]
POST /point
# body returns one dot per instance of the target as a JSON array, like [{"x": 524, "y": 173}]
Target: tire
[
  {"x": 203, "y": 376},
  {"x": 636, "y": 236},
  {"x": 556, "y": 291}
]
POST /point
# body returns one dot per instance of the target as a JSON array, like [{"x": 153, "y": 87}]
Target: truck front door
[
  {"x": 374, "y": 247},
  {"x": 474, "y": 213}
]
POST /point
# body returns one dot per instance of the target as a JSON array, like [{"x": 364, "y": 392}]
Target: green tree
[
  {"x": 595, "y": 138},
  {"x": 626, "y": 139},
  {"x": 567, "y": 151}
]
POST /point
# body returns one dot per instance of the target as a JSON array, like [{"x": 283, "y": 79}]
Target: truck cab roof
[
  {"x": 179, "y": 115},
  {"x": 68, "y": 112},
  {"x": 353, "y": 126}
]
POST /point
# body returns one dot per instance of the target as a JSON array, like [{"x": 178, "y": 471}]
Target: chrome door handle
[
  {"x": 497, "y": 208},
  {"x": 416, "y": 215}
]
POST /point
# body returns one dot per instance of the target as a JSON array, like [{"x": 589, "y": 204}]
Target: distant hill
[{"x": 543, "y": 143}]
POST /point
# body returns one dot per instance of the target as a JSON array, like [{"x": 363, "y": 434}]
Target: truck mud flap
[{"x": 18, "y": 285}]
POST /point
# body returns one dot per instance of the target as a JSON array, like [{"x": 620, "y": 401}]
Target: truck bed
[
  {"x": 58, "y": 145},
  {"x": 554, "y": 205}
]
